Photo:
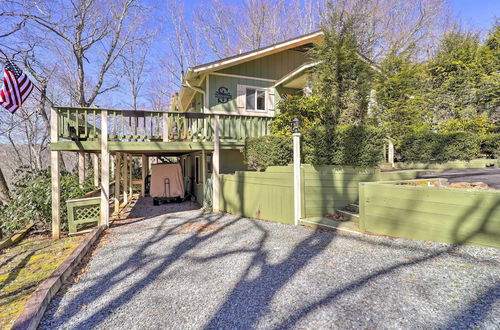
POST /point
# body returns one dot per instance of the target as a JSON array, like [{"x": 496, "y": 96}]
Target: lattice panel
[{"x": 87, "y": 212}]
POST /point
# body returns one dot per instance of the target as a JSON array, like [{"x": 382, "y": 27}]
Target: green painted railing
[{"x": 83, "y": 124}]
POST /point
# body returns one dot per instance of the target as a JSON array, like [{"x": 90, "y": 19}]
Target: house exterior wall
[
  {"x": 266, "y": 70},
  {"x": 274, "y": 66}
]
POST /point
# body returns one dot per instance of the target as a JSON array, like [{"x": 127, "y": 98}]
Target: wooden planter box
[{"x": 452, "y": 215}]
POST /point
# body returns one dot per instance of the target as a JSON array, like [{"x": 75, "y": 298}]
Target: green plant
[
  {"x": 442, "y": 147},
  {"x": 351, "y": 145},
  {"x": 310, "y": 111},
  {"x": 31, "y": 198},
  {"x": 490, "y": 145},
  {"x": 271, "y": 150}
]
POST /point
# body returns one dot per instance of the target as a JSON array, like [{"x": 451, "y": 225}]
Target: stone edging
[{"x": 37, "y": 303}]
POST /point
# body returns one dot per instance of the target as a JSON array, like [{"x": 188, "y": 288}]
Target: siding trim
[{"x": 240, "y": 76}]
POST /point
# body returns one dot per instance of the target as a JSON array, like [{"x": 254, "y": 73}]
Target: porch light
[{"x": 295, "y": 125}]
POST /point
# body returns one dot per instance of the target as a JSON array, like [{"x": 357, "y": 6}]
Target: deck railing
[{"x": 84, "y": 124}]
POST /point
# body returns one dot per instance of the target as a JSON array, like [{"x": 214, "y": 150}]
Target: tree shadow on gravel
[
  {"x": 332, "y": 296},
  {"x": 476, "y": 311},
  {"x": 134, "y": 264}
]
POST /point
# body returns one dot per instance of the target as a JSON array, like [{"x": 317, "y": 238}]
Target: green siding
[
  {"x": 269, "y": 67},
  {"x": 427, "y": 213},
  {"x": 232, "y": 84}
]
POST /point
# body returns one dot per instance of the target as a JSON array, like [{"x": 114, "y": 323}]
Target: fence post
[
  {"x": 296, "y": 177},
  {"x": 81, "y": 168},
  {"x": 390, "y": 153}
]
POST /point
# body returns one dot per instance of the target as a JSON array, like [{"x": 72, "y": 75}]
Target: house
[{"x": 220, "y": 104}]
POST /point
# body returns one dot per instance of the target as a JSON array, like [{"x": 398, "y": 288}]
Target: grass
[{"x": 26, "y": 265}]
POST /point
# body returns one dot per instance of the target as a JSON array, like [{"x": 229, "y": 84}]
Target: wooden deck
[{"x": 80, "y": 129}]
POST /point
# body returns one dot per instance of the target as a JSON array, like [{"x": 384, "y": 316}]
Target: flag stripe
[{"x": 16, "y": 87}]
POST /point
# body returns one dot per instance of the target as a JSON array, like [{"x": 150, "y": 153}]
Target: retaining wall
[{"x": 449, "y": 215}]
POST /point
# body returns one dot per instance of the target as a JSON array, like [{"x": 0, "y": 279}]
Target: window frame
[{"x": 257, "y": 89}]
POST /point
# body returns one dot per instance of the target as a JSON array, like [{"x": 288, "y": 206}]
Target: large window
[{"x": 255, "y": 99}]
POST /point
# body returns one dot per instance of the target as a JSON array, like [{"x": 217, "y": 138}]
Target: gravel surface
[{"x": 193, "y": 270}]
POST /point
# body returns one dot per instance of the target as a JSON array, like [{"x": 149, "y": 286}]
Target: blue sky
[{"x": 478, "y": 14}]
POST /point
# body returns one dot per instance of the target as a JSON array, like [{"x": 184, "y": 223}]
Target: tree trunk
[{"x": 4, "y": 189}]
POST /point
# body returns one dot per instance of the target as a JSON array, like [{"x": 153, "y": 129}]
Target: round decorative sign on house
[{"x": 223, "y": 95}]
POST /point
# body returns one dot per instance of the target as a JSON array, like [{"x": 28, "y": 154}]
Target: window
[
  {"x": 255, "y": 99},
  {"x": 197, "y": 170}
]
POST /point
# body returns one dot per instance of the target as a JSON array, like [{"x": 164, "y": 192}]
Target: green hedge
[
  {"x": 441, "y": 147},
  {"x": 490, "y": 145},
  {"x": 351, "y": 145},
  {"x": 344, "y": 145},
  {"x": 270, "y": 150}
]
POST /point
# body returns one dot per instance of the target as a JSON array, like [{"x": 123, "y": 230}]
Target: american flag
[{"x": 16, "y": 87}]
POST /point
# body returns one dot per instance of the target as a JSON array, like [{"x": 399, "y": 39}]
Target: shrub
[
  {"x": 308, "y": 109},
  {"x": 271, "y": 150},
  {"x": 351, "y": 145},
  {"x": 442, "y": 147},
  {"x": 31, "y": 198},
  {"x": 490, "y": 145}
]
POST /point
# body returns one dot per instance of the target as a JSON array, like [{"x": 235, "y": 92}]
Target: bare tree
[{"x": 133, "y": 64}]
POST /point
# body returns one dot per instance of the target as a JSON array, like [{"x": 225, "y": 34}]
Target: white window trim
[{"x": 257, "y": 88}]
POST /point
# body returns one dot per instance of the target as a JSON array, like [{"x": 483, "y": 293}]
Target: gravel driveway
[{"x": 190, "y": 270}]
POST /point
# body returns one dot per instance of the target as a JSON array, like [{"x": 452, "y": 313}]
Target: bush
[
  {"x": 308, "y": 109},
  {"x": 442, "y": 147},
  {"x": 490, "y": 145},
  {"x": 351, "y": 145},
  {"x": 31, "y": 198},
  {"x": 271, "y": 150}
]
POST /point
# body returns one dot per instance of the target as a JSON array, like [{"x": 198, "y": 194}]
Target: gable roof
[
  {"x": 195, "y": 75},
  {"x": 313, "y": 37}
]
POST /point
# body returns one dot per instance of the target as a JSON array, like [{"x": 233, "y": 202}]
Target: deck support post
[
  {"x": 204, "y": 175},
  {"x": 95, "y": 165},
  {"x": 117, "y": 182},
  {"x": 81, "y": 168},
  {"x": 131, "y": 176},
  {"x": 55, "y": 157},
  {"x": 296, "y": 178},
  {"x": 125, "y": 179},
  {"x": 216, "y": 166},
  {"x": 144, "y": 168},
  {"x": 104, "y": 169}
]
